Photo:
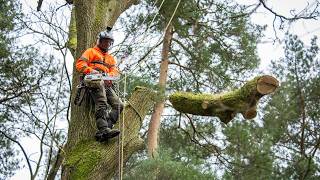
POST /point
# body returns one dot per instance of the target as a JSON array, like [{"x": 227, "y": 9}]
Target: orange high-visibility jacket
[{"x": 94, "y": 58}]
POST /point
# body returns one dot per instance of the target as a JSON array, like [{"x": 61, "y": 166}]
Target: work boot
[
  {"x": 113, "y": 117},
  {"x": 111, "y": 123},
  {"x": 106, "y": 133}
]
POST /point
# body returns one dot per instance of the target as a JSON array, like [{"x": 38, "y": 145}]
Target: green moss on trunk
[
  {"x": 225, "y": 105},
  {"x": 88, "y": 159},
  {"x": 83, "y": 158}
]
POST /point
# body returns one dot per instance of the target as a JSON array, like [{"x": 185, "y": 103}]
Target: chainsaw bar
[{"x": 98, "y": 77}]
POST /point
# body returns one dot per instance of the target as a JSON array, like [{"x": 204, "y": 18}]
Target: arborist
[{"x": 95, "y": 61}]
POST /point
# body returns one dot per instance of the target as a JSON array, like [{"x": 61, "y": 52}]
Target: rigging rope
[
  {"x": 121, "y": 124},
  {"x": 145, "y": 32},
  {"x": 121, "y": 128}
]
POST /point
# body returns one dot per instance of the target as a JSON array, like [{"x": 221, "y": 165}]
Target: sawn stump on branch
[
  {"x": 226, "y": 105},
  {"x": 89, "y": 159}
]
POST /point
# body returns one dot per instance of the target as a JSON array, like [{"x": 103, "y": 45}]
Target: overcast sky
[{"x": 267, "y": 50}]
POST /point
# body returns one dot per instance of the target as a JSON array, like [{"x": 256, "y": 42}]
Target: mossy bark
[
  {"x": 89, "y": 159},
  {"x": 225, "y": 105},
  {"x": 90, "y": 17},
  {"x": 72, "y": 42}
]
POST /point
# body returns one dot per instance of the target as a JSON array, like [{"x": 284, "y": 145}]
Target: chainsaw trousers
[{"x": 105, "y": 97}]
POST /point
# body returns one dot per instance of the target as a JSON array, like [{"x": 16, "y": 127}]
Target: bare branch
[
  {"x": 21, "y": 147},
  {"x": 313, "y": 15},
  {"x": 58, "y": 161}
]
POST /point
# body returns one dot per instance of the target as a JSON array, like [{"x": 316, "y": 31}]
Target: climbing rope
[
  {"x": 121, "y": 128},
  {"x": 121, "y": 124},
  {"x": 144, "y": 33}
]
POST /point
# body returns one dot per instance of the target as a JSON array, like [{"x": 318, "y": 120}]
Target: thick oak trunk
[
  {"x": 225, "y": 105},
  {"x": 89, "y": 159},
  {"x": 88, "y": 19}
]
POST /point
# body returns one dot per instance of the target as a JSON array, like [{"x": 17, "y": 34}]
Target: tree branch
[
  {"x": 39, "y": 5},
  {"x": 296, "y": 17},
  {"x": 24, "y": 152}
]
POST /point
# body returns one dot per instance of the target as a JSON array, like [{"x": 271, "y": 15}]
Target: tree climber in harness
[{"x": 95, "y": 61}]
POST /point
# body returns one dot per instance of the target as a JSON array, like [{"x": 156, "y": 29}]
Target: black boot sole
[{"x": 105, "y": 136}]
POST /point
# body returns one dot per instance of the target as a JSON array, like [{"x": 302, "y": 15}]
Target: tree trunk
[
  {"x": 89, "y": 159},
  {"x": 226, "y": 105},
  {"x": 89, "y": 18},
  {"x": 158, "y": 108}
]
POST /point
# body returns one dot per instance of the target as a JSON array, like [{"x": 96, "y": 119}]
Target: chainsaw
[{"x": 94, "y": 80}]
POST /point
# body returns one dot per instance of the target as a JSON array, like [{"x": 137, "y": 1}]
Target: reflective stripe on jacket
[{"x": 94, "y": 58}]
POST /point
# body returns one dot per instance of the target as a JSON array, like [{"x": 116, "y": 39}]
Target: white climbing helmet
[{"x": 106, "y": 34}]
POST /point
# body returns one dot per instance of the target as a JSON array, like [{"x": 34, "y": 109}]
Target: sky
[{"x": 267, "y": 50}]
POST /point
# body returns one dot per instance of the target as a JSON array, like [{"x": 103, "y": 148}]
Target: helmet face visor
[{"x": 105, "y": 43}]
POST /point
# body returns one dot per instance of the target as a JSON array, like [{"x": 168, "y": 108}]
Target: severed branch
[{"x": 226, "y": 105}]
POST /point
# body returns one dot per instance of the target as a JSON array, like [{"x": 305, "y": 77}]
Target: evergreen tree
[
  {"x": 248, "y": 150},
  {"x": 8, "y": 14},
  {"x": 209, "y": 48},
  {"x": 292, "y": 116},
  {"x": 27, "y": 97}
]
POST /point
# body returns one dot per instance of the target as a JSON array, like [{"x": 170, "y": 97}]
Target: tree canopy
[{"x": 212, "y": 52}]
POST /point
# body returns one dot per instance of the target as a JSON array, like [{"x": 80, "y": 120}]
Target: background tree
[
  {"x": 220, "y": 43},
  {"x": 33, "y": 97},
  {"x": 292, "y": 116},
  {"x": 227, "y": 45},
  {"x": 242, "y": 165},
  {"x": 6, "y": 152}
]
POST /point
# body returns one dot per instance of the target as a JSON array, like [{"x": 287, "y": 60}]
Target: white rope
[
  {"x": 121, "y": 124},
  {"x": 119, "y": 141},
  {"x": 144, "y": 33},
  {"x": 154, "y": 17},
  {"x": 121, "y": 128},
  {"x": 130, "y": 43}
]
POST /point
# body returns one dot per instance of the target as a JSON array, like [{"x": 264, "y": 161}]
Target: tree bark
[
  {"x": 89, "y": 18},
  {"x": 226, "y": 105},
  {"x": 89, "y": 159},
  {"x": 154, "y": 124}
]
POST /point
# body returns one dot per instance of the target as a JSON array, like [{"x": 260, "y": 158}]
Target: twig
[{"x": 24, "y": 152}]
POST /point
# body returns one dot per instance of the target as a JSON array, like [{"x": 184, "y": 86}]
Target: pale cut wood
[{"x": 267, "y": 84}]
